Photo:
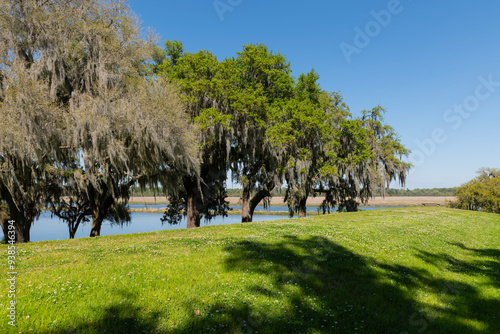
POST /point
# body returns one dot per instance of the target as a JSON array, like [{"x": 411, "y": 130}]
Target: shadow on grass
[
  {"x": 318, "y": 286},
  {"x": 322, "y": 288},
  {"x": 465, "y": 303},
  {"x": 123, "y": 318},
  {"x": 326, "y": 288}
]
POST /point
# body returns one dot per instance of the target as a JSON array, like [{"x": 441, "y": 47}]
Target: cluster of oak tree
[{"x": 90, "y": 107}]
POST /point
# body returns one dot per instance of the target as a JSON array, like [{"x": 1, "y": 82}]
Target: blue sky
[{"x": 434, "y": 66}]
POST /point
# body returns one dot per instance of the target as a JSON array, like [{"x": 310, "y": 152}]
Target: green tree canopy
[
  {"x": 30, "y": 140},
  {"x": 196, "y": 74},
  {"x": 260, "y": 83},
  {"x": 481, "y": 193},
  {"x": 74, "y": 86},
  {"x": 372, "y": 163},
  {"x": 323, "y": 150}
]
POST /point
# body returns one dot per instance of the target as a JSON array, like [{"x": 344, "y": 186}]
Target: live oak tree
[
  {"x": 29, "y": 143},
  {"x": 200, "y": 195},
  {"x": 300, "y": 132},
  {"x": 325, "y": 151},
  {"x": 369, "y": 157},
  {"x": 259, "y": 83},
  {"x": 67, "y": 201},
  {"x": 388, "y": 154},
  {"x": 141, "y": 137},
  {"x": 75, "y": 88},
  {"x": 230, "y": 102}
]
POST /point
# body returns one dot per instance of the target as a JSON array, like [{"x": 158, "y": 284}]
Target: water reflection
[
  {"x": 258, "y": 208},
  {"x": 48, "y": 228}
]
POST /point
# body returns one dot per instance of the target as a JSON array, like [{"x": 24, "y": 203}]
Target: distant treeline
[
  {"x": 418, "y": 192},
  {"x": 388, "y": 192}
]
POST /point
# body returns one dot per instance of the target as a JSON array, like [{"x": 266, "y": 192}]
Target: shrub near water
[
  {"x": 420, "y": 270},
  {"x": 481, "y": 193}
]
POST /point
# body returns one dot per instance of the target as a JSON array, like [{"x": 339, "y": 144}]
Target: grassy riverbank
[
  {"x": 415, "y": 270},
  {"x": 232, "y": 212}
]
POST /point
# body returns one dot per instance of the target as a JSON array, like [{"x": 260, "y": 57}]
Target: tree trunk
[
  {"x": 256, "y": 199},
  {"x": 246, "y": 214},
  {"x": 193, "y": 215},
  {"x": 4, "y": 219},
  {"x": 73, "y": 227},
  {"x": 302, "y": 207},
  {"x": 22, "y": 227},
  {"x": 22, "y": 221},
  {"x": 97, "y": 220}
]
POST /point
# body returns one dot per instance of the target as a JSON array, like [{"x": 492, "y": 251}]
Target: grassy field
[{"x": 418, "y": 270}]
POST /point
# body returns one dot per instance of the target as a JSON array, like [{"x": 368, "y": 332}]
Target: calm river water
[{"x": 48, "y": 228}]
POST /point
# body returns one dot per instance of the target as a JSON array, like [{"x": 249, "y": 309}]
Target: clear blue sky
[{"x": 435, "y": 66}]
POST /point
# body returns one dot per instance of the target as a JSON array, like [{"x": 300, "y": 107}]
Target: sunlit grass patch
[{"x": 419, "y": 270}]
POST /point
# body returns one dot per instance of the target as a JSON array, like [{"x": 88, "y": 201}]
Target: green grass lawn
[{"x": 418, "y": 270}]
